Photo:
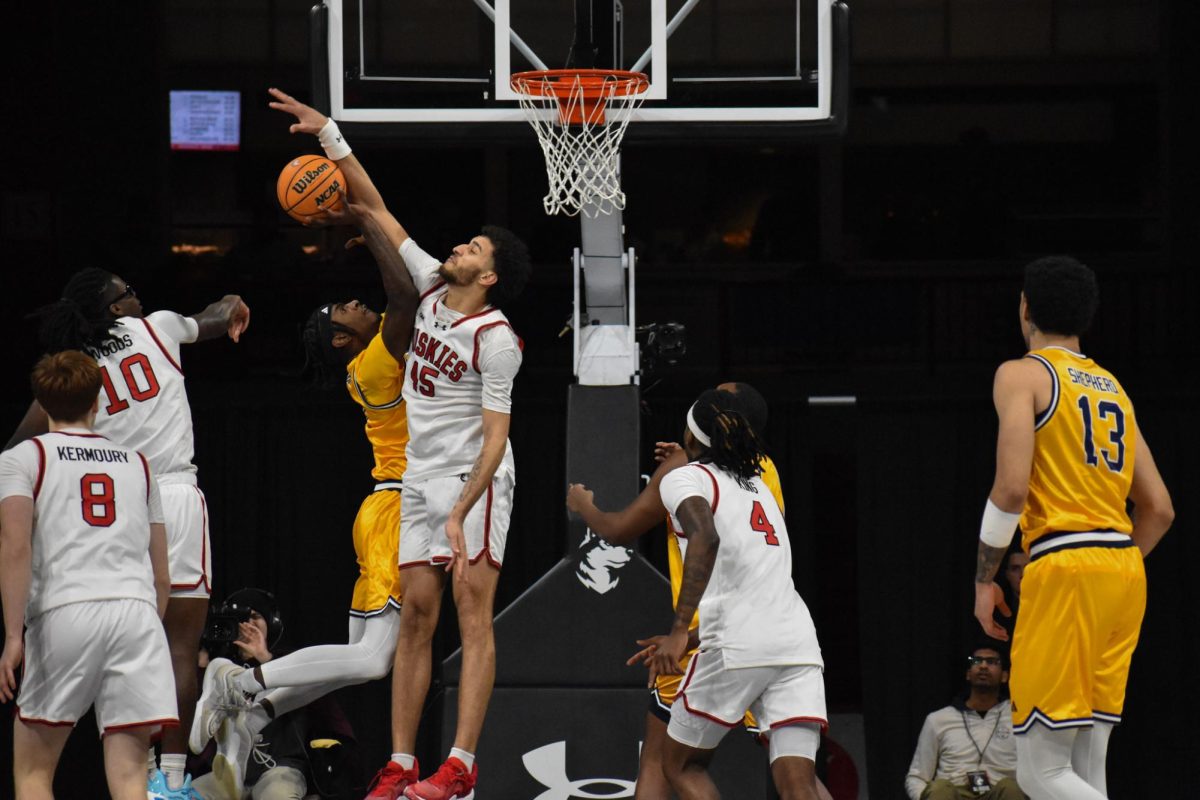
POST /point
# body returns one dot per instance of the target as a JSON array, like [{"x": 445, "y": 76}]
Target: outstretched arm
[
  {"x": 309, "y": 120},
  {"x": 229, "y": 315},
  {"x": 34, "y": 423},
  {"x": 624, "y": 526},
  {"x": 402, "y": 297}
]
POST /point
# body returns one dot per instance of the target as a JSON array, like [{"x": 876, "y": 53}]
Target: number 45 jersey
[
  {"x": 751, "y": 611},
  {"x": 1084, "y": 443},
  {"x": 143, "y": 402}
]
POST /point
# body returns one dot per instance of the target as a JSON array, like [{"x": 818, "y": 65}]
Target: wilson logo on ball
[{"x": 308, "y": 185}]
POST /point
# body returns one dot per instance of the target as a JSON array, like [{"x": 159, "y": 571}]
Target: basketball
[{"x": 309, "y": 184}]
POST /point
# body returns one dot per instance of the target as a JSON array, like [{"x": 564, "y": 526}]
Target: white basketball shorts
[
  {"x": 110, "y": 653},
  {"x": 427, "y": 506},
  {"x": 713, "y": 698},
  {"x": 189, "y": 554}
]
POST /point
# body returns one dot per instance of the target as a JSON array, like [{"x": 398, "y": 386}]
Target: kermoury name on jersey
[{"x": 96, "y": 454}]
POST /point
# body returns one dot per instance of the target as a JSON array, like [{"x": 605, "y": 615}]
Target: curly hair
[
  {"x": 1062, "y": 295},
  {"x": 734, "y": 446},
  {"x": 511, "y": 263},
  {"x": 80, "y": 319}
]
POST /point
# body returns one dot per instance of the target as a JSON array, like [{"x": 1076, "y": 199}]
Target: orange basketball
[{"x": 309, "y": 184}]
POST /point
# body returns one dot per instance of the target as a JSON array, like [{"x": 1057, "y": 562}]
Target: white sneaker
[
  {"x": 217, "y": 699},
  {"x": 234, "y": 743}
]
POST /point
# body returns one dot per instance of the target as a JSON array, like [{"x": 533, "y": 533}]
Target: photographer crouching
[{"x": 300, "y": 753}]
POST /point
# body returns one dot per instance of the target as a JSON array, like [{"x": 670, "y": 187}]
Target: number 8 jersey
[
  {"x": 143, "y": 402},
  {"x": 1083, "y": 451}
]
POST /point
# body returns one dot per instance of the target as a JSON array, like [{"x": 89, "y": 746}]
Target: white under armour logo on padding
[{"x": 548, "y": 766}]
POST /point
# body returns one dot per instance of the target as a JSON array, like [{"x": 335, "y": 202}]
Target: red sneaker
[
  {"x": 391, "y": 781},
  {"x": 451, "y": 781}
]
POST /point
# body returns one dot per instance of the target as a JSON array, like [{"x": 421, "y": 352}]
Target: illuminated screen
[{"x": 203, "y": 120}]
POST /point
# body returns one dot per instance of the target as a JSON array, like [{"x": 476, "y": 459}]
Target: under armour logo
[{"x": 548, "y": 766}]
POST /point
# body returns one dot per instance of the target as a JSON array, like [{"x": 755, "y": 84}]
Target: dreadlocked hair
[
  {"x": 321, "y": 359},
  {"x": 80, "y": 319},
  {"x": 735, "y": 447}
]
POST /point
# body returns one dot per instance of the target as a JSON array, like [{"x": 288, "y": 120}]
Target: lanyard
[{"x": 967, "y": 728}]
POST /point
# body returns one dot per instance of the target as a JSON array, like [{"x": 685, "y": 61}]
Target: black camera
[
  {"x": 221, "y": 630},
  {"x": 662, "y": 344}
]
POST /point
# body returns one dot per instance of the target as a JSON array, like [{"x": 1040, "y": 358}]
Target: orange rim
[{"x": 596, "y": 87}]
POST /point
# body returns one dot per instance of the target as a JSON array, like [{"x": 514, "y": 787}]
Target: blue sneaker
[{"x": 157, "y": 788}]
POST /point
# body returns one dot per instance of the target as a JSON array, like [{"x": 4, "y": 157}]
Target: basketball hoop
[{"x": 580, "y": 116}]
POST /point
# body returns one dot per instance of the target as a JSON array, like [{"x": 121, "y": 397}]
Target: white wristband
[
  {"x": 336, "y": 147},
  {"x": 997, "y": 527}
]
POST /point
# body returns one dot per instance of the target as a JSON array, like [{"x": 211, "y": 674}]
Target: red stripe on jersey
[
  {"x": 487, "y": 533},
  {"x": 707, "y": 716},
  {"x": 186, "y": 587},
  {"x": 154, "y": 336},
  {"x": 47, "y": 722},
  {"x": 81, "y": 435},
  {"x": 716, "y": 489},
  {"x": 431, "y": 290},
  {"x": 482, "y": 328},
  {"x": 146, "y": 468},
  {"x": 483, "y": 313},
  {"x": 166, "y": 722},
  {"x": 37, "y": 486},
  {"x": 801, "y": 720}
]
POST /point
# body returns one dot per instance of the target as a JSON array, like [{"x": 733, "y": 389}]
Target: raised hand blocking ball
[{"x": 309, "y": 184}]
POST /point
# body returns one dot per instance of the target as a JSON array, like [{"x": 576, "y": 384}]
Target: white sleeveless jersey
[
  {"x": 94, "y": 501},
  {"x": 444, "y": 387},
  {"x": 143, "y": 403},
  {"x": 750, "y": 611}
]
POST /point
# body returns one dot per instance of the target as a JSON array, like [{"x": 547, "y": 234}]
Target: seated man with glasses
[{"x": 967, "y": 749}]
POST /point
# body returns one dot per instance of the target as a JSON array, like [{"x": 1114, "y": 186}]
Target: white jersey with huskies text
[
  {"x": 750, "y": 611},
  {"x": 94, "y": 501},
  {"x": 143, "y": 403},
  {"x": 457, "y": 366}
]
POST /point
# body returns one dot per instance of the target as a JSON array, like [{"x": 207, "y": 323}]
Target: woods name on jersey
[
  {"x": 111, "y": 346},
  {"x": 439, "y": 355}
]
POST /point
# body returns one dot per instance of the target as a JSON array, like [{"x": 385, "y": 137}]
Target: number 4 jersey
[
  {"x": 750, "y": 611},
  {"x": 1083, "y": 451},
  {"x": 143, "y": 403},
  {"x": 93, "y": 505}
]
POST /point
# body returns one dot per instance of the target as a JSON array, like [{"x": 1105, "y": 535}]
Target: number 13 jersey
[
  {"x": 143, "y": 402},
  {"x": 751, "y": 610},
  {"x": 1083, "y": 453}
]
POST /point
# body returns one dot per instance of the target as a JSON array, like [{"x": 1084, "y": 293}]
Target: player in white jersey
[
  {"x": 459, "y": 481},
  {"x": 144, "y": 405},
  {"x": 758, "y": 645},
  {"x": 83, "y": 568}
]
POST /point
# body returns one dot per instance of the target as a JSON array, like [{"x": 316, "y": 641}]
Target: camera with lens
[
  {"x": 221, "y": 629},
  {"x": 663, "y": 344}
]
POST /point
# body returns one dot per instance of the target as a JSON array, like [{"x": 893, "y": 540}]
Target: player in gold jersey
[
  {"x": 369, "y": 349},
  {"x": 622, "y": 528},
  {"x": 1068, "y": 458}
]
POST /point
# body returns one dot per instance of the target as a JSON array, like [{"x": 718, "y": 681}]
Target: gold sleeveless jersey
[
  {"x": 770, "y": 476},
  {"x": 1083, "y": 451},
  {"x": 375, "y": 381}
]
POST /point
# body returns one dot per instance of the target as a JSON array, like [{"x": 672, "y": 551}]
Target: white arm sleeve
[
  {"x": 924, "y": 763},
  {"x": 175, "y": 326},
  {"x": 18, "y": 471},
  {"x": 421, "y": 266},
  {"x": 680, "y": 484},
  {"x": 499, "y": 361}
]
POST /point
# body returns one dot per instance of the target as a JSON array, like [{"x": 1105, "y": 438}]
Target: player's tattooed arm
[
  {"x": 34, "y": 423},
  {"x": 695, "y": 515},
  {"x": 987, "y": 561},
  {"x": 402, "y": 296},
  {"x": 228, "y": 316}
]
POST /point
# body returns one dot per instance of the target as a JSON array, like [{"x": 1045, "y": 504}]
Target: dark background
[{"x": 885, "y": 265}]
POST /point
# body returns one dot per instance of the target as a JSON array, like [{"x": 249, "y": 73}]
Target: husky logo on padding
[
  {"x": 600, "y": 562},
  {"x": 548, "y": 766}
]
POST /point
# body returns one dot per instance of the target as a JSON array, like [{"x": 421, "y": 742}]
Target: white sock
[
  {"x": 468, "y": 759},
  {"x": 406, "y": 760},
  {"x": 151, "y": 763},
  {"x": 173, "y": 765},
  {"x": 246, "y": 682}
]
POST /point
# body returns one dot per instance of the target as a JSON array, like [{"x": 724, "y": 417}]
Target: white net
[{"x": 580, "y": 120}]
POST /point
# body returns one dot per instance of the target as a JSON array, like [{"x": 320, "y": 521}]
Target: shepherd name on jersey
[
  {"x": 93, "y": 505},
  {"x": 143, "y": 403},
  {"x": 750, "y": 611},
  {"x": 1084, "y": 444},
  {"x": 445, "y": 390}
]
